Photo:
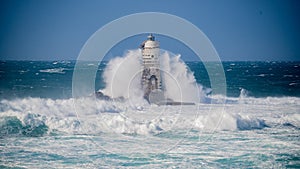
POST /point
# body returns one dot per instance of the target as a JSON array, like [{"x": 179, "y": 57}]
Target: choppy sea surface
[{"x": 255, "y": 125}]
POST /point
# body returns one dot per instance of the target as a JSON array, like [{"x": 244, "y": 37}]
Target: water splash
[{"x": 122, "y": 77}]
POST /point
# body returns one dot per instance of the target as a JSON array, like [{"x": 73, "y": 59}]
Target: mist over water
[{"x": 122, "y": 77}]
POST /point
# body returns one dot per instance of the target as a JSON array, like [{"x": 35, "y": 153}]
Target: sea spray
[
  {"x": 180, "y": 83},
  {"x": 122, "y": 77}
]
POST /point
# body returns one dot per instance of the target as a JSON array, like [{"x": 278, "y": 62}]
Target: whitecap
[
  {"x": 293, "y": 84},
  {"x": 262, "y": 75},
  {"x": 54, "y": 70}
]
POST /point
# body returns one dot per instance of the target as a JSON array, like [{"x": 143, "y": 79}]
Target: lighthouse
[
  {"x": 151, "y": 75},
  {"x": 152, "y": 82}
]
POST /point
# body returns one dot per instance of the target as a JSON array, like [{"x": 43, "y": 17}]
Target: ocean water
[{"x": 255, "y": 125}]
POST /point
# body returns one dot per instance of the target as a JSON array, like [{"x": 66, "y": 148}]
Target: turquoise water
[
  {"x": 256, "y": 125},
  {"x": 44, "y": 79}
]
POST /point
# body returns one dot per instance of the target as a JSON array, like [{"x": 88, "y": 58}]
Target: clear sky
[{"x": 241, "y": 30}]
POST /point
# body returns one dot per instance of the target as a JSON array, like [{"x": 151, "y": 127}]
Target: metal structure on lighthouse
[{"x": 151, "y": 75}]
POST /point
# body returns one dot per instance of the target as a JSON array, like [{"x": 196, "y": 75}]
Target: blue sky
[{"x": 241, "y": 30}]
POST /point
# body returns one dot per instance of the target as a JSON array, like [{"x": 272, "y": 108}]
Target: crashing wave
[
  {"x": 31, "y": 126},
  {"x": 37, "y": 117}
]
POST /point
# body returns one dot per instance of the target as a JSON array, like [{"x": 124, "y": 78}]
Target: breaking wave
[{"x": 38, "y": 117}]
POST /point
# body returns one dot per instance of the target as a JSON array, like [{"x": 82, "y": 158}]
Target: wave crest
[{"x": 37, "y": 117}]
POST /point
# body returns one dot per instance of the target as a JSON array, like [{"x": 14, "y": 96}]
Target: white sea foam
[{"x": 90, "y": 116}]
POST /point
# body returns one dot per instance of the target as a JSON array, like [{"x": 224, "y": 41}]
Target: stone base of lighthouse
[{"x": 155, "y": 97}]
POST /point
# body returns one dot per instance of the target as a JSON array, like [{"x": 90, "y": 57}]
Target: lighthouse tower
[{"x": 151, "y": 76}]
